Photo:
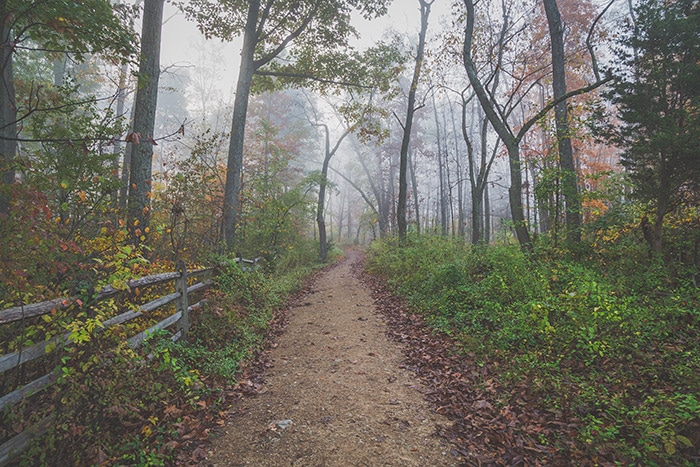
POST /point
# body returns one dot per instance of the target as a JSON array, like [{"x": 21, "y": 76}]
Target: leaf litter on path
[{"x": 348, "y": 399}]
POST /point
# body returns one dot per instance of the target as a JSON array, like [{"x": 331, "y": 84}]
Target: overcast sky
[{"x": 182, "y": 42}]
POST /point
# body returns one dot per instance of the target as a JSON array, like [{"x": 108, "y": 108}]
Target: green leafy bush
[{"x": 614, "y": 336}]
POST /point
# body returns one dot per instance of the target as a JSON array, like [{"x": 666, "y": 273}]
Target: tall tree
[
  {"x": 8, "y": 107},
  {"x": 139, "y": 204},
  {"x": 569, "y": 178},
  {"x": 658, "y": 101},
  {"x": 441, "y": 172},
  {"x": 408, "y": 123},
  {"x": 269, "y": 28},
  {"x": 323, "y": 183},
  {"x": 499, "y": 119},
  {"x": 505, "y": 133}
]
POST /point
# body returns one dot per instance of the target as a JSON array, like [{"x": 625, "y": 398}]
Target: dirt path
[{"x": 336, "y": 393}]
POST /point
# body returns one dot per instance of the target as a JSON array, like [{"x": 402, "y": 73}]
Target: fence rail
[{"x": 13, "y": 447}]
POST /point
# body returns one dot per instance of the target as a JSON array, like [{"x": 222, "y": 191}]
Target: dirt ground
[{"x": 335, "y": 393}]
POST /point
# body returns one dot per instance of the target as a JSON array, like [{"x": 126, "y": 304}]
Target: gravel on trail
[{"x": 335, "y": 391}]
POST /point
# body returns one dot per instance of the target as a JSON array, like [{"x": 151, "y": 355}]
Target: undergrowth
[
  {"x": 153, "y": 406},
  {"x": 611, "y": 341}
]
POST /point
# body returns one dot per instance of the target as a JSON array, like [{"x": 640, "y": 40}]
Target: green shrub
[{"x": 622, "y": 330}]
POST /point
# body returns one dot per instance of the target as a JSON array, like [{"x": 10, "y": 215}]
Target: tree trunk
[
  {"x": 504, "y": 133},
  {"x": 544, "y": 206},
  {"x": 441, "y": 173},
  {"x": 408, "y": 125},
  {"x": 487, "y": 214},
  {"x": 8, "y": 110},
  {"x": 653, "y": 233},
  {"x": 341, "y": 217},
  {"x": 477, "y": 216},
  {"x": 450, "y": 198},
  {"x": 377, "y": 191},
  {"x": 473, "y": 177},
  {"x": 232, "y": 188},
  {"x": 416, "y": 204},
  {"x": 117, "y": 148},
  {"x": 144, "y": 120},
  {"x": 569, "y": 179},
  {"x": 320, "y": 217},
  {"x": 460, "y": 179},
  {"x": 515, "y": 196}
]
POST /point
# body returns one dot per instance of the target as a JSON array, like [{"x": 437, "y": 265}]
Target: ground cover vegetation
[
  {"x": 152, "y": 405},
  {"x": 608, "y": 342}
]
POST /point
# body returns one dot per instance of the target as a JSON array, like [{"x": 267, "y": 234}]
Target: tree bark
[
  {"x": 460, "y": 179},
  {"x": 505, "y": 134},
  {"x": 8, "y": 109},
  {"x": 487, "y": 214},
  {"x": 414, "y": 185},
  {"x": 120, "y": 194},
  {"x": 320, "y": 216},
  {"x": 569, "y": 178},
  {"x": 232, "y": 188},
  {"x": 408, "y": 124},
  {"x": 441, "y": 173},
  {"x": 139, "y": 204}
]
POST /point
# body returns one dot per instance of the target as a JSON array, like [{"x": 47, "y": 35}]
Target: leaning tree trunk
[
  {"x": 569, "y": 179},
  {"x": 8, "y": 110},
  {"x": 408, "y": 125},
  {"x": 139, "y": 205},
  {"x": 232, "y": 187},
  {"x": 505, "y": 134}
]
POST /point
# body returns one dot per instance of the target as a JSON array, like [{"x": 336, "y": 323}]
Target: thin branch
[
  {"x": 591, "y": 51},
  {"x": 52, "y": 109},
  {"x": 359, "y": 190},
  {"x": 399, "y": 120},
  {"x": 285, "y": 74},
  {"x": 285, "y": 42},
  {"x": 527, "y": 125},
  {"x": 91, "y": 140}
]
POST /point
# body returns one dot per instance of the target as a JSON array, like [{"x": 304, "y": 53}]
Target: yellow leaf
[
  {"x": 685, "y": 441},
  {"x": 670, "y": 448}
]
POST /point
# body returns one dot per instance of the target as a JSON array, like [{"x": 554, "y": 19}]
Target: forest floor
[{"x": 333, "y": 389}]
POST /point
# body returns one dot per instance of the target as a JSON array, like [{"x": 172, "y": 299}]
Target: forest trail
[{"x": 335, "y": 392}]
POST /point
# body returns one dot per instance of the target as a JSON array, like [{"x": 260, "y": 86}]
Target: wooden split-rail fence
[{"x": 11, "y": 448}]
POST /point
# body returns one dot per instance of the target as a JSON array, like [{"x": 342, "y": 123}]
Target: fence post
[{"x": 182, "y": 305}]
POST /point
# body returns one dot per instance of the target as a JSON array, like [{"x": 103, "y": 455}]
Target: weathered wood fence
[{"x": 14, "y": 446}]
